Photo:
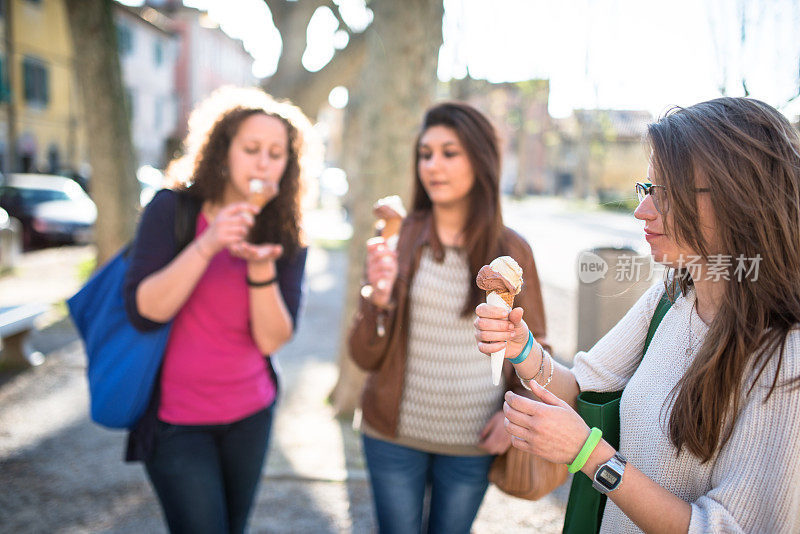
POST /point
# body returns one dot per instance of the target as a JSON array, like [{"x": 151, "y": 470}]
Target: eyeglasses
[{"x": 659, "y": 194}]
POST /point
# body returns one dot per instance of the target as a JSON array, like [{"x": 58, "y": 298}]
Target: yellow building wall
[{"x": 41, "y": 32}]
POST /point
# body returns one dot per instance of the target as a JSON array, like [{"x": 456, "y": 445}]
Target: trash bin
[{"x": 610, "y": 281}]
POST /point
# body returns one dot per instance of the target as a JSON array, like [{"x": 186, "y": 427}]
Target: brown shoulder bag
[{"x": 526, "y": 476}]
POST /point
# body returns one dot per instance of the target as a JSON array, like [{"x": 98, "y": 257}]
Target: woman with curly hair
[{"x": 231, "y": 288}]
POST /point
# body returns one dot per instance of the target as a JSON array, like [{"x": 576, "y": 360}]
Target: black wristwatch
[{"x": 608, "y": 476}]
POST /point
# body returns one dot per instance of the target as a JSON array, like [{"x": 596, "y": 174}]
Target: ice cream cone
[
  {"x": 391, "y": 227},
  {"x": 260, "y": 193},
  {"x": 390, "y": 213},
  {"x": 501, "y": 280},
  {"x": 507, "y": 297}
]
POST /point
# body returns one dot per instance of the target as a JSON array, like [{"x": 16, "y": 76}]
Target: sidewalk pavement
[{"x": 61, "y": 473}]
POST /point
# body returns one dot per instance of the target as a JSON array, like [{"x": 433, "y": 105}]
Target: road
[{"x": 559, "y": 229}]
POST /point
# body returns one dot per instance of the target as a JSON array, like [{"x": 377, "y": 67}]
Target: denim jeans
[
  {"x": 206, "y": 475},
  {"x": 400, "y": 477}
]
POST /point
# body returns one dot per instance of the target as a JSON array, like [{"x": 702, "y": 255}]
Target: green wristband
[{"x": 591, "y": 442}]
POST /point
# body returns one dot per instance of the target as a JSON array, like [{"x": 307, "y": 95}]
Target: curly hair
[{"x": 202, "y": 171}]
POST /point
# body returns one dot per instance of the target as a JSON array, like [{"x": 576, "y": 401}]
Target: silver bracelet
[
  {"x": 523, "y": 381},
  {"x": 528, "y": 380},
  {"x": 541, "y": 365},
  {"x": 552, "y": 366}
]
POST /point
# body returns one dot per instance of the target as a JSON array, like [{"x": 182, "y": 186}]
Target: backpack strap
[
  {"x": 661, "y": 310},
  {"x": 186, "y": 210}
]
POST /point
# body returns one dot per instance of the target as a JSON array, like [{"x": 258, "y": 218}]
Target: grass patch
[
  {"x": 86, "y": 268},
  {"x": 332, "y": 244},
  {"x": 625, "y": 205}
]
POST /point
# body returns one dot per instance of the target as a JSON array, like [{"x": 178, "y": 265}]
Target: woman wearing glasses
[{"x": 710, "y": 414}]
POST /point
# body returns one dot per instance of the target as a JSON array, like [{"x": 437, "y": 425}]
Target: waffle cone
[
  {"x": 391, "y": 227},
  {"x": 507, "y": 297}
]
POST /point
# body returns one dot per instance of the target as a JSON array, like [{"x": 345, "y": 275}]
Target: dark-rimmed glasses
[{"x": 659, "y": 194}]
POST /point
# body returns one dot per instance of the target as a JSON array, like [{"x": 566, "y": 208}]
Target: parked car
[{"x": 52, "y": 209}]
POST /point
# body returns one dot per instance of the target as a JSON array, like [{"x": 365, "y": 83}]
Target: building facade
[
  {"x": 39, "y": 89},
  {"x": 519, "y": 112},
  {"x": 148, "y": 53},
  {"x": 207, "y": 58},
  {"x": 600, "y": 153}
]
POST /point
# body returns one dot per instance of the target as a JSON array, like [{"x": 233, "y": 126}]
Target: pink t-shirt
[{"x": 213, "y": 372}]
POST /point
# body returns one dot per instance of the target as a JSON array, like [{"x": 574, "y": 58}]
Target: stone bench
[{"x": 16, "y": 323}]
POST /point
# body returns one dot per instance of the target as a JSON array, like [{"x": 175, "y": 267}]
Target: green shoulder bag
[{"x": 585, "y": 505}]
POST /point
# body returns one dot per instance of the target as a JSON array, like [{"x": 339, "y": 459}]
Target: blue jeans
[
  {"x": 400, "y": 477},
  {"x": 206, "y": 475}
]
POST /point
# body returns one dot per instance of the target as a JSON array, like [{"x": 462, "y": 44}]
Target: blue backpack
[{"x": 123, "y": 362}]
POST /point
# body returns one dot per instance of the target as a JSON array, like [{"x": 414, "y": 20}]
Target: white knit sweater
[
  {"x": 753, "y": 483},
  {"x": 448, "y": 395}
]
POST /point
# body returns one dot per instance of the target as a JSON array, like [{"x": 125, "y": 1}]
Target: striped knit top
[
  {"x": 753, "y": 483},
  {"x": 448, "y": 395}
]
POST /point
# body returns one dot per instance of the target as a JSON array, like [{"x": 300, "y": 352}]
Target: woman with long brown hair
[
  {"x": 231, "y": 287},
  {"x": 710, "y": 414},
  {"x": 431, "y": 416}
]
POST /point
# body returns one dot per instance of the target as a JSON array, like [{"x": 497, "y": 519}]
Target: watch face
[{"x": 608, "y": 477}]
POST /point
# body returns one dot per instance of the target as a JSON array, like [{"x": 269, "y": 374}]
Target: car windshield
[
  {"x": 37, "y": 196},
  {"x": 30, "y": 196}
]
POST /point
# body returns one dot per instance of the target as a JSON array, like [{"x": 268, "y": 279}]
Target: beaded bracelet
[{"x": 541, "y": 367}]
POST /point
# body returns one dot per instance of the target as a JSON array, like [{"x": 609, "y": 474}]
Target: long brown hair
[
  {"x": 203, "y": 170},
  {"x": 484, "y": 225},
  {"x": 749, "y": 155}
]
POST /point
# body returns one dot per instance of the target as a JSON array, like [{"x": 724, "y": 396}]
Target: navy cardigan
[{"x": 154, "y": 247}]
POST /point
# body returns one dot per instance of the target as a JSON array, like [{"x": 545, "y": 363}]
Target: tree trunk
[
  {"x": 397, "y": 85},
  {"x": 114, "y": 186}
]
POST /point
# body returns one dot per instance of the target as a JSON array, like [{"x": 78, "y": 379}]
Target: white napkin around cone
[{"x": 493, "y": 299}]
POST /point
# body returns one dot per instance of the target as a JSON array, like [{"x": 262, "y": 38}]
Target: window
[
  {"x": 54, "y": 158},
  {"x": 5, "y": 92},
  {"x": 158, "y": 53},
  {"x": 35, "y": 77},
  {"x": 124, "y": 40}
]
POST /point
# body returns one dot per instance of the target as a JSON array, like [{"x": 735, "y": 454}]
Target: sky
[{"x": 614, "y": 54}]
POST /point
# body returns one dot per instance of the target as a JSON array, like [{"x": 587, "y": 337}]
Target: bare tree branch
[
  {"x": 336, "y": 13},
  {"x": 310, "y": 90}
]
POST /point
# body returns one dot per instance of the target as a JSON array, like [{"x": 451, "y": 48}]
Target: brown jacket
[{"x": 385, "y": 356}]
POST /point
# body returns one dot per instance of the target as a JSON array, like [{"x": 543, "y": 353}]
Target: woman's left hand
[
  {"x": 494, "y": 438},
  {"x": 256, "y": 253},
  {"x": 550, "y": 428}
]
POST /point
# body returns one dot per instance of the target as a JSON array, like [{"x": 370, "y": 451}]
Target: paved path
[{"x": 61, "y": 473}]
